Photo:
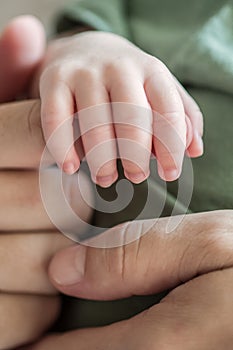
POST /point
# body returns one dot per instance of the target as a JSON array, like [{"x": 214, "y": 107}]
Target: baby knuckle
[
  {"x": 157, "y": 65},
  {"x": 117, "y": 66},
  {"x": 49, "y": 119},
  {"x": 101, "y": 133},
  {"x": 44, "y": 76},
  {"x": 87, "y": 74},
  {"x": 47, "y": 74},
  {"x": 53, "y": 74}
]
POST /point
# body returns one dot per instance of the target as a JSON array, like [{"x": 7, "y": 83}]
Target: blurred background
[{"x": 45, "y": 10}]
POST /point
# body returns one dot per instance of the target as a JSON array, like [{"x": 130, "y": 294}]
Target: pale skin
[
  {"x": 86, "y": 72},
  {"x": 195, "y": 315}
]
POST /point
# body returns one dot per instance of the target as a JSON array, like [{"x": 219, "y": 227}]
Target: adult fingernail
[{"x": 68, "y": 266}]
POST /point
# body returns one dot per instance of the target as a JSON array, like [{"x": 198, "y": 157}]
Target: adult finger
[
  {"x": 22, "y": 46},
  {"x": 154, "y": 262},
  {"x": 21, "y": 207},
  {"x": 21, "y": 142},
  {"x": 169, "y": 122},
  {"x": 22, "y": 196},
  {"x": 96, "y": 127},
  {"x": 24, "y": 259},
  {"x": 184, "y": 319},
  {"x": 21, "y": 319}
]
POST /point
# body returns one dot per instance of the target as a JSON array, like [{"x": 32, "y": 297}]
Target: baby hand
[{"x": 126, "y": 101}]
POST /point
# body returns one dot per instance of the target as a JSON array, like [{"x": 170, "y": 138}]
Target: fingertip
[
  {"x": 67, "y": 267},
  {"x": 69, "y": 168},
  {"x": 196, "y": 148},
  {"x": 71, "y": 163},
  {"x": 137, "y": 170},
  {"x": 105, "y": 181},
  {"x": 168, "y": 175},
  {"x": 105, "y": 175},
  {"x": 136, "y": 178}
]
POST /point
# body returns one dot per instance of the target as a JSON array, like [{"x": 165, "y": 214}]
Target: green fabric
[
  {"x": 105, "y": 15},
  {"x": 196, "y": 43},
  {"x": 195, "y": 40}
]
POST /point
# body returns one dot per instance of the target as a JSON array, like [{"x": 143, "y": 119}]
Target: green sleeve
[{"x": 103, "y": 15}]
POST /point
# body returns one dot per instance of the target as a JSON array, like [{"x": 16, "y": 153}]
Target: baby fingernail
[
  {"x": 68, "y": 267},
  {"x": 106, "y": 181},
  {"x": 136, "y": 178},
  {"x": 171, "y": 175},
  {"x": 168, "y": 174},
  {"x": 69, "y": 168}
]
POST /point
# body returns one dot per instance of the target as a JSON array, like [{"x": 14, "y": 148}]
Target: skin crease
[
  {"x": 84, "y": 69},
  {"x": 197, "y": 314},
  {"x": 202, "y": 245}
]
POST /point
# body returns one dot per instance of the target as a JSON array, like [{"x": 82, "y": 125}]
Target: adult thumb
[{"x": 156, "y": 261}]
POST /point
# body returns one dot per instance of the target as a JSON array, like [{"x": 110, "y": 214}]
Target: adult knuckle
[
  {"x": 212, "y": 246},
  {"x": 114, "y": 262},
  {"x": 132, "y": 254},
  {"x": 120, "y": 260},
  {"x": 219, "y": 239}
]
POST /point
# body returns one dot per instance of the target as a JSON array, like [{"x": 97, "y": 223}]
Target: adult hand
[
  {"x": 28, "y": 238},
  {"x": 29, "y": 304},
  {"x": 196, "y": 261},
  {"x": 22, "y": 145},
  {"x": 195, "y": 315}
]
